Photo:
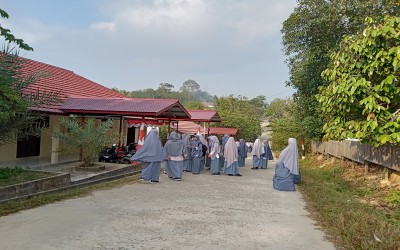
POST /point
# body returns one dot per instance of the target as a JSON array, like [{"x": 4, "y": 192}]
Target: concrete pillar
[
  {"x": 366, "y": 167},
  {"x": 55, "y": 143},
  {"x": 386, "y": 174}
]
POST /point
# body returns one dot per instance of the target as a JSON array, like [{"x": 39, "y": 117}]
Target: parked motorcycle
[{"x": 115, "y": 154}]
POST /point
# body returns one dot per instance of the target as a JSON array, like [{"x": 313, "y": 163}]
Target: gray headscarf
[
  {"x": 202, "y": 140},
  {"x": 290, "y": 157},
  {"x": 151, "y": 150},
  {"x": 230, "y": 152},
  {"x": 174, "y": 145},
  {"x": 224, "y": 139},
  {"x": 215, "y": 147}
]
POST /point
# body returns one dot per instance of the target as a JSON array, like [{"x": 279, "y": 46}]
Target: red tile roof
[
  {"x": 63, "y": 82},
  {"x": 162, "y": 108},
  {"x": 222, "y": 131},
  {"x": 188, "y": 127},
  {"x": 204, "y": 115}
]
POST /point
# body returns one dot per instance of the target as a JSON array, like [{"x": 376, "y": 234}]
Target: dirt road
[{"x": 200, "y": 212}]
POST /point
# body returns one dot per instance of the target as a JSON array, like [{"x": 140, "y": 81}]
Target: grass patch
[
  {"x": 36, "y": 201},
  {"x": 354, "y": 209},
  {"x": 11, "y": 176}
]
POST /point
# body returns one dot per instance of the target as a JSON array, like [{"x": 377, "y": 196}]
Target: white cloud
[
  {"x": 170, "y": 15},
  {"x": 103, "y": 26}
]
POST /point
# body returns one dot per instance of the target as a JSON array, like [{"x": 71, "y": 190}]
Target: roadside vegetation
[{"x": 357, "y": 210}]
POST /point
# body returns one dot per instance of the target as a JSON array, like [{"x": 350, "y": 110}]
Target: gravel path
[{"x": 200, "y": 212}]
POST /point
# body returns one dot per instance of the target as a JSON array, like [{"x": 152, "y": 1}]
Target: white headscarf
[
  {"x": 290, "y": 157},
  {"x": 258, "y": 148}
]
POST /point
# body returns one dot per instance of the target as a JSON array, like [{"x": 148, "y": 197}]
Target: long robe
[
  {"x": 283, "y": 180},
  {"x": 151, "y": 171}
]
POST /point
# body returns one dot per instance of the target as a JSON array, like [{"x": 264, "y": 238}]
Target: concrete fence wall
[{"x": 387, "y": 156}]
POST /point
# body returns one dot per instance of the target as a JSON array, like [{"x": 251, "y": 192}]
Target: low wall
[
  {"x": 387, "y": 155},
  {"x": 21, "y": 189}
]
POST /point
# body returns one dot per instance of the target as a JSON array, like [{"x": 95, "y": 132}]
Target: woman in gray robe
[
  {"x": 187, "y": 162},
  {"x": 151, "y": 154},
  {"x": 257, "y": 152},
  {"x": 287, "y": 172},
  {"x": 197, "y": 155},
  {"x": 242, "y": 152},
  {"x": 223, "y": 142},
  {"x": 231, "y": 165},
  {"x": 174, "y": 148},
  {"x": 267, "y": 154},
  {"x": 215, "y": 150}
]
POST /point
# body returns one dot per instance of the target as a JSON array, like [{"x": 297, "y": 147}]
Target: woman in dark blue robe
[
  {"x": 267, "y": 154},
  {"x": 242, "y": 152},
  {"x": 287, "y": 172},
  {"x": 151, "y": 154},
  {"x": 197, "y": 155}
]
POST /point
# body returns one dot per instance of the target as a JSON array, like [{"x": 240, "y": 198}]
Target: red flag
[
  {"x": 198, "y": 130},
  {"x": 141, "y": 137}
]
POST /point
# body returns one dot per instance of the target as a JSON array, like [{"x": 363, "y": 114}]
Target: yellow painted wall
[{"x": 8, "y": 152}]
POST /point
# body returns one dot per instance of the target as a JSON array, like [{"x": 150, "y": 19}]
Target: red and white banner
[{"x": 141, "y": 137}]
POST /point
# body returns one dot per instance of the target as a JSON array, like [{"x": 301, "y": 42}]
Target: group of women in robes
[{"x": 186, "y": 154}]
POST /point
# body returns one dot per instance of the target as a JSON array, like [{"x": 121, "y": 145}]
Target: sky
[{"x": 229, "y": 47}]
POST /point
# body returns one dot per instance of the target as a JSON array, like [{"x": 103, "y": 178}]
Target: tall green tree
[
  {"x": 311, "y": 33},
  {"x": 190, "y": 86},
  {"x": 363, "y": 98},
  {"x": 283, "y": 123},
  {"x": 238, "y": 112}
]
